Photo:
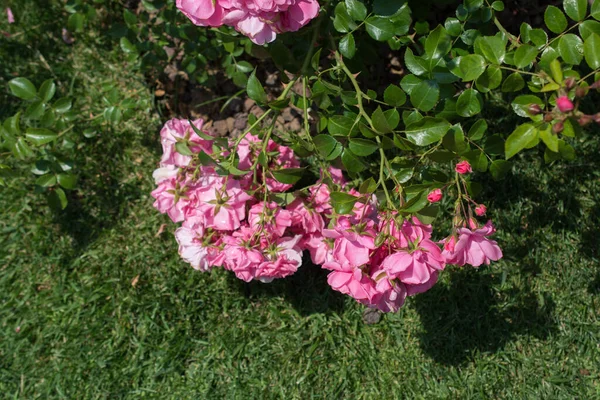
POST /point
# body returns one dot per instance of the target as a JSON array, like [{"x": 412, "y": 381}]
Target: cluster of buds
[{"x": 568, "y": 108}]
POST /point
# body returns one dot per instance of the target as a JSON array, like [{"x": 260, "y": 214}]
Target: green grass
[{"x": 73, "y": 325}]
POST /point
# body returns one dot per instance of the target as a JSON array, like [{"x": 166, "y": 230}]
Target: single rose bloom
[
  {"x": 463, "y": 167},
  {"x": 564, "y": 104},
  {"x": 480, "y": 210},
  {"x": 435, "y": 195},
  {"x": 473, "y": 247}
]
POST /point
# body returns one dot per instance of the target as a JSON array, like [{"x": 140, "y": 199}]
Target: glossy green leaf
[
  {"x": 427, "y": 131},
  {"x": 425, "y": 95},
  {"x": 47, "y": 90},
  {"x": 525, "y": 55},
  {"x": 288, "y": 175},
  {"x": 438, "y": 43},
  {"x": 380, "y": 29},
  {"x": 570, "y": 47},
  {"x": 40, "y": 136},
  {"x": 356, "y": 9},
  {"x": 576, "y": 9},
  {"x": 57, "y": 199},
  {"x": 255, "y": 90},
  {"x": 47, "y": 180},
  {"x": 394, "y": 96},
  {"x": 327, "y": 146},
  {"x": 493, "y": 48},
  {"x": 499, "y": 169},
  {"x": 591, "y": 51},
  {"x": 555, "y": 19},
  {"x": 469, "y": 103},
  {"x": 513, "y": 83},
  {"x": 343, "y": 203},
  {"x": 67, "y": 181},
  {"x": 22, "y": 88},
  {"x": 362, "y": 147},
  {"x": 520, "y": 139},
  {"x": 348, "y": 46}
]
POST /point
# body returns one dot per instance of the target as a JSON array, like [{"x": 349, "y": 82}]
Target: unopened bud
[
  {"x": 564, "y": 104},
  {"x": 570, "y": 83},
  {"x": 548, "y": 117},
  {"x": 580, "y": 92},
  {"x": 558, "y": 127},
  {"x": 596, "y": 118},
  {"x": 595, "y": 85},
  {"x": 585, "y": 120},
  {"x": 535, "y": 109}
]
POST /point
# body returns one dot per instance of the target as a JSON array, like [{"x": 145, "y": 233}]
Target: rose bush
[{"x": 389, "y": 157}]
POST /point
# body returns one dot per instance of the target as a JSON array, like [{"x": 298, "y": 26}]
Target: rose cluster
[
  {"x": 260, "y": 20},
  {"x": 232, "y": 221}
]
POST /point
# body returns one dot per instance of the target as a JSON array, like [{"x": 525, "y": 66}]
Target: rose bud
[
  {"x": 535, "y": 109},
  {"x": 548, "y": 117},
  {"x": 564, "y": 104},
  {"x": 570, "y": 83},
  {"x": 434, "y": 196},
  {"x": 463, "y": 167},
  {"x": 558, "y": 127},
  {"x": 596, "y": 118},
  {"x": 580, "y": 92},
  {"x": 585, "y": 120},
  {"x": 480, "y": 210}
]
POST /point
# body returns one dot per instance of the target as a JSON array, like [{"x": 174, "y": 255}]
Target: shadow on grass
[
  {"x": 469, "y": 316},
  {"x": 307, "y": 290}
]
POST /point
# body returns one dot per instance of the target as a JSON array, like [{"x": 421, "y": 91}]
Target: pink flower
[
  {"x": 270, "y": 217},
  {"x": 222, "y": 204},
  {"x": 307, "y": 220},
  {"x": 192, "y": 249},
  {"x": 351, "y": 249},
  {"x": 434, "y": 196},
  {"x": 480, "y": 210},
  {"x": 463, "y": 167},
  {"x": 176, "y": 130},
  {"x": 416, "y": 267},
  {"x": 10, "y": 16},
  {"x": 564, "y": 104},
  {"x": 410, "y": 232},
  {"x": 168, "y": 172},
  {"x": 285, "y": 262},
  {"x": 171, "y": 199},
  {"x": 337, "y": 176},
  {"x": 320, "y": 198},
  {"x": 317, "y": 247},
  {"x": 260, "y": 20},
  {"x": 473, "y": 247},
  {"x": 285, "y": 159},
  {"x": 390, "y": 293},
  {"x": 353, "y": 283}
]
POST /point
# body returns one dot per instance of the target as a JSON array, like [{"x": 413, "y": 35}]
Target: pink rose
[
  {"x": 166, "y": 202},
  {"x": 286, "y": 261},
  {"x": 564, "y": 104},
  {"x": 10, "y": 16},
  {"x": 179, "y": 129},
  {"x": 308, "y": 221},
  {"x": 434, "y": 196},
  {"x": 473, "y": 247},
  {"x": 222, "y": 204},
  {"x": 272, "y": 218},
  {"x": 463, "y": 167},
  {"x": 415, "y": 268},
  {"x": 480, "y": 210}
]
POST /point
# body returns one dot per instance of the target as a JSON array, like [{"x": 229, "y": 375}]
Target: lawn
[{"x": 95, "y": 302}]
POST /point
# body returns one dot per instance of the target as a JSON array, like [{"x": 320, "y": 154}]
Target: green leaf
[
  {"x": 339, "y": 125},
  {"x": 75, "y": 22},
  {"x": 539, "y": 37},
  {"x": 368, "y": 186},
  {"x": 469, "y": 67},
  {"x": 586, "y": 28},
  {"x": 362, "y": 147},
  {"x": 62, "y": 105},
  {"x": 513, "y": 83},
  {"x": 183, "y": 149},
  {"x": 46, "y": 180},
  {"x": 425, "y": 95},
  {"x": 255, "y": 90},
  {"x": 67, "y": 181},
  {"x": 525, "y": 55},
  {"x": 555, "y": 19},
  {"x": 519, "y": 139},
  {"x": 549, "y": 138},
  {"x": 47, "y": 90},
  {"x": 427, "y": 131},
  {"x": 493, "y": 48},
  {"x": 595, "y": 11},
  {"x": 556, "y": 71},
  {"x": 575, "y": 9},
  {"x": 478, "y": 129},
  {"x": 394, "y": 96},
  {"x": 416, "y": 203},
  {"x": 591, "y": 51},
  {"x": 498, "y": 6},
  {"x": 35, "y": 110},
  {"x": 352, "y": 162},
  {"x": 438, "y": 43},
  {"x": 356, "y": 9},
  {"x": 22, "y": 88},
  {"x": 490, "y": 79},
  {"x": 380, "y": 29},
  {"x": 57, "y": 199},
  {"x": 469, "y": 103},
  {"x": 288, "y": 175},
  {"x": 500, "y": 168},
  {"x": 521, "y": 105},
  {"x": 380, "y": 123},
  {"x": 327, "y": 146},
  {"x": 342, "y": 22},
  {"x": 127, "y": 46},
  {"x": 472, "y": 5},
  {"x": 343, "y": 203},
  {"x": 21, "y": 149},
  {"x": 453, "y": 26},
  {"x": 570, "y": 47},
  {"x": 348, "y": 46},
  {"x": 40, "y": 136},
  {"x": 415, "y": 64}
]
